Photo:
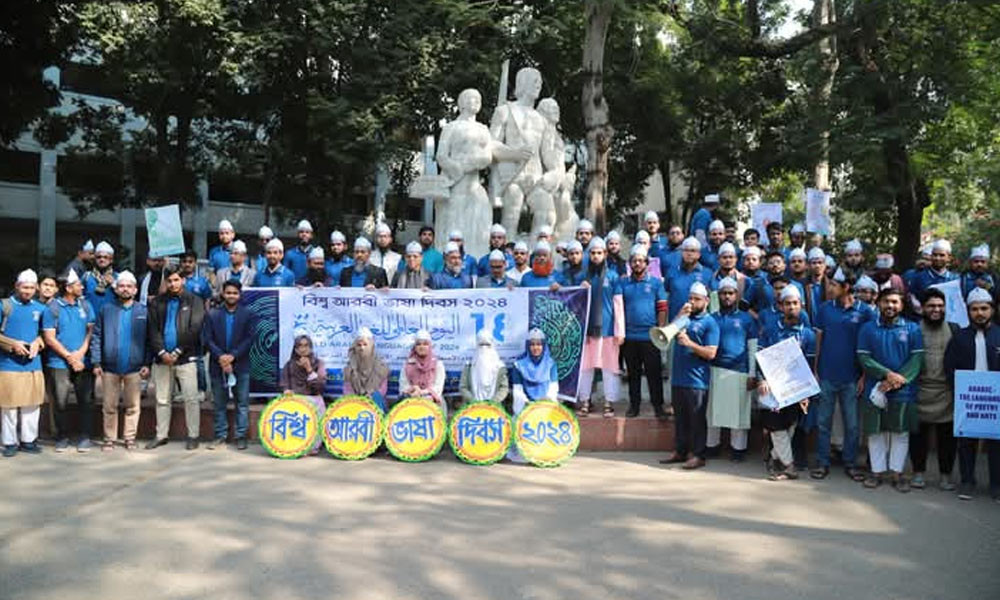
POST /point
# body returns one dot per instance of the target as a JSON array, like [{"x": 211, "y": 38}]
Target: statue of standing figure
[{"x": 553, "y": 196}]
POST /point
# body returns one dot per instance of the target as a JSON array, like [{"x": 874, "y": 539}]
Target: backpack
[{"x": 7, "y": 306}]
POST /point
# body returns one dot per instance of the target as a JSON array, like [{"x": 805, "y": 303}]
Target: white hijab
[{"x": 485, "y": 366}]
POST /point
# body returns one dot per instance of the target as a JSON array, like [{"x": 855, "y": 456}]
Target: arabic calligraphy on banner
[
  {"x": 414, "y": 429},
  {"x": 547, "y": 434},
  {"x": 480, "y": 433},
  {"x": 288, "y": 426},
  {"x": 352, "y": 428}
]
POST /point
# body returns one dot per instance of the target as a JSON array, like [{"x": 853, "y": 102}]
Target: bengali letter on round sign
[
  {"x": 415, "y": 429},
  {"x": 547, "y": 433},
  {"x": 288, "y": 426},
  {"x": 480, "y": 433},
  {"x": 352, "y": 428}
]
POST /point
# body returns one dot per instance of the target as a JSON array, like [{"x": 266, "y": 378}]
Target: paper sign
[
  {"x": 977, "y": 404},
  {"x": 547, "y": 434},
  {"x": 787, "y": 372},
  {"x": 818, "y": 211},
  {"x": 955, "y": 310},
  {"x": 163, "y": 227},
  {"x": 352, "y": 428},
  {"x": 288, "y": 426},
  {"x": 763, "y": 213},
  {"x": 415, "y": 429},
  {"x": 480, "y": 433}
]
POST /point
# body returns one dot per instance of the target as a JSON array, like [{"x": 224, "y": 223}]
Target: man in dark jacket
[
  {"x": 363, "y": 274},
  {"x": 228, "y": 333},
  {"x": 118, "y": 352},
  {"x": 175, "y": 321},
  {"x": 976, "y": 348}
]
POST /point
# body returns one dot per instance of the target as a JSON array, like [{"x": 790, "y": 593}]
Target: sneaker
[
  {"x": 632, "y": 412},
  {"x": 83, "y": 445},
  {"x": 156, "y": 443},
  {"x": 31, "y": 447},
  {"x": 966, "y": 491},
  {"x": 918, "y": 482},
  {"x": 10, "y": 450},
  {"x": 945, "y": 484},
  {"x": 62, "y": 445},
  {"x": 192, "y": 444},
  {"x": 738, "y": 456},
  {"x": 241, "y": 444},
  {"x": 216, "y": 443}
]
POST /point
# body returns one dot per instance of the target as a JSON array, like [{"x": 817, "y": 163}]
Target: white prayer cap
[
  {"x": 225, "y": 225},
  {"x": 560, "y": 246},
  {"x": 698, "y": 289},
  {"x": 305, "y": 225},
  {"x": 942, "y": 245},
  {"x": 364, "y": 332},
  {"x": 336, "y": 237},
  {"x": 853, "y": 246},
  {"x": 545, "y": 230},
  {"x": 414, "y": 248},
  {"x": 382, "y": 228},
  {"x": 585, "y": 225},
  {"x": 497, "y": 229},
  {"x": 816, "y": 253},
  {"x": 456, "y": 235},
  {"x": 728, "y": 283},
  {"x": 981, "y": 251},
  {"x": 752, "y": 251},
  {"x": 638, "y": 250},
  {"x": 72, "y": 277},
  {"x": 790, "y": 291},
  {"x": 716, "y": 225},
  {"x": 520, "y": 247},
  {"x": 797, "y": 253},
  {"x": 831, "y": 262},
  {"x": 926, "y": 250},
  {"x": 125, "y": 277},
  {"x": 651, "y": 217},
  {"x": 727, "y": 248},
  {"x": 275, "y": 244},
  {"x": 712, "y": 199},
  {"x": 422, "y": 336},
  {"x": 496, "y": 255},
  {"x": 484, "y": 337},
  {"x": 574, "y": 246},
  {"x": 316, "y": 252},
  {"x": 362, "y": 243},
  {"x": 88, "y": 246},
  {"x": 613, "y": 236},
  {"x": 839, "y": 276},
  {"x": 27, "y": 276},
  {"x": 536, "y": 334},
  {"x": 597, "y": 244},
  {"x": 452, "y": 247},
  {"x": 642, "y": 237},
  {"x": 798, "y": 228},
  {"x": 866, "y": 283},
  {"x": 543, "y": 246},
  {"x": 104, "y": 248},
  {"x": 978, "y": 294},
  {"x": 239, "y": 247},
  {"x": 265, "y": 233},
  {"x": 690, "y": 243},
  {"x": 884, "y": 261}
]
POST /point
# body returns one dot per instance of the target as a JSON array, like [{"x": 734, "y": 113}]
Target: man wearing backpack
[
  {"x": 22, "y": 386},
  {"x": 67, "y": 324}
]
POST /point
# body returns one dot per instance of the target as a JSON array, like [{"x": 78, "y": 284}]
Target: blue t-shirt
[
  {"x": 446, "y": 280},
  {"x": 95, "y": 298},
  {"x": 70, "y": 326},
  {"x": 838, "y": 348},
  {"x": 765, "y": 295},
  {"x": 358, "y": 277},
  {"x": 569, "y": 278},
  {"x": 280, "y": 277},
  {"x": 641, "y": 298},
  {"x": 483, "y": 266},
  {"x": 24, "y": 324},
  {"x": 770, "y": 316},
  {"x": 334, "y": 267},
  {"x": 736, "y": 328},
  {"x": 700, "y": 222},
  {"x": 530, "y": 280},
  {"x": 218, "y": 257},
  {"x": 678, "y": 284},
  {"x": 433, "y": 261},
  {"x": 198, "y": 286},
  {"x": 690, "y": 371},
  {"x": 297, "y": 259},
  {"x": 659, "y": 246},
  {"x": 927, "y": 277},
  {"x": 710, "y": 257},
  {"x": 891, "y": 345}
]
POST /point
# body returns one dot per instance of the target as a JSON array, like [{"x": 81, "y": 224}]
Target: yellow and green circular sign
[
  {"x": 288, "y": 426},
  {"x": 547, "y": 433},
  {"x": 480, "y": 433},
  {"x": 352, "y": 428},
  {"x": 415, "y": 429}
]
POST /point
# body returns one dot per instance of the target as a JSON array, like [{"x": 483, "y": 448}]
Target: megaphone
[{"x": 663, "y": 336}]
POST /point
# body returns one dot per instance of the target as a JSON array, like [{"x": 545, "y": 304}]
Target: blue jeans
[
  {"x": 241, "y": 398},
  {"x": 831, "y": 393}
]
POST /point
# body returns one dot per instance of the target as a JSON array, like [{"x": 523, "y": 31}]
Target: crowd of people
[{"x": 877, "y": 340}]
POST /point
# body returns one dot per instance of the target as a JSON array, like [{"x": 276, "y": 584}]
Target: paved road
[{"x": 222, "y": 524}]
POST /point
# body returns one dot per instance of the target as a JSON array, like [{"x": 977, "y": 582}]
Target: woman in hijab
[
  {"x": 485, "y": 378},
  {"x": 305, "y": 375},
  {"x": 535, "y": 377},
  {"x": 423, "y": 374},
  {"x": 366, "y": 374}
]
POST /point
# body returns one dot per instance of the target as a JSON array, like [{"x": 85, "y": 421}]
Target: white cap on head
[
  {"x": 456, "y": 235},
  {"x": 866, "y": 283},
  {"x": 585, "y": 225},
  {"x": 798, "y": 228},
  {"x": 239, "y": 247},
  {"x": 305, "y": 225},
  {"x": 727, "y": 248},
  {"x": 72, "y": 277},
  {"x": 316, "y": 252},
  {"x": 536, "y": 334},
  {"x": 981, "y": 251},
  {"x": 545, "y": 230},
  {"x": 942, "y": 245},
  {"x": 642, "y": 237},
  {"x": 639, "y": 250},
  {"x": 651, "y": 217},
  {"x": 275, "y": 244},
  {"x": 690, "y": 243},
  {"x": 336, "y": 237},
  {"x": 543, "y": 246},
  {"x": 452, "y": 248},
  {"x": 364, "y": 332},
  {"x": 728, "y": 283},
  {"x": 831, "y": 262},
  {"x": 613, "y": 236},
  {"x": 125, "y": 277},
  {"x": 225, "y": 225},
  {"x": 797, "y": 253},
  {"x": 790, "y": 291},
  {"x": 497, "y": 229},
  {"x": 561, "y": 246},
  {"x": 839, "y": 276},
  {"x": 496, "y": 255},
  {"x": 853, "y": 246},
  {"x": 698, "y": 289},
  {"x": 27, "y": 276},
  {"x": 88, "y": 246},
  {"x": 104, "y": 248},
  {"x": 265, "y": 233},
  {"x": 422, "y": 335},
  {"x": 816, "y": 253},
  {"x": 752, "y": 251},
  {"x": 520, "y": 247},
  {"x": 382, "y": 228},
  {"x": 712, "y": 199},
  {"x": 884, "y": 261},
  {"x": 362, "y": 243},
  {"x": 978, "y": 294},
  {"x": 484, "y": 337},
  {"x": 598, "y": 244},
  {"x": 414, "y": 248},
  {"x": 716, "y": 225},
  {"x": 574, "y": 246}
]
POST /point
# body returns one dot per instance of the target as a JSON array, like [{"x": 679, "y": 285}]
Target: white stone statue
[
  {"x": 464, "y": 150},
  {"x": 553, "y": 196}
]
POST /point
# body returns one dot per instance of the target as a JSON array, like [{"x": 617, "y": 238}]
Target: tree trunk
[
  {"x": 595, "y": 110},
  {"x": 910, "y": 195},
  {"x": 668, "y": 201},
  {"x": 824, "y": 14}
]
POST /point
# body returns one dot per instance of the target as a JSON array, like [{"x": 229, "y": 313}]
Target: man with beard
[
  {"x": 498, "y": 240},
  {"x": 854, "y": 259},
  {"x": 413, "y": 275},
  {"x": 978, "y": 274},
  {"x": 521, "y": 265},
  {"x": 362, "y": 274},
  {"x": 816, "y": 280},
  {"x": 727, "y": 270},
  {"x": 469, "y": 266},
  {"x": 22, "y": 385},
  {"x": 84, "y": 260},
  {"x": 605, "y": 331},
  {"x": 274, "y": 274},
  {"x": 935, "y": 403},
  {"x": 540, "y": 275},
  {"x": 710, "y": 251},
  {"x": 645, "y": 303},
  {"x": 658, "y": 244},
  {"x": 338, "y": 258},
  {"x": 883, "y": 275},
  {"x": 454, "y": 275},
  {"x": 976, "y": 348},
  {"x": 616, "y": 262},
  {"x": 838, "y": 323},
  {"x": 574, "y": 272},
  {"x": 937, "y": 272},
  {"x": 776, "y": 268},
  {"x": 237, "y": 270},
  {"x": 152, "y": 280},
  {"x": 798, "y": 268},
  {"x": 383, "y": 255},
  {"x": 297, "y": 257},
  {"x": 797, "y": 237},
  {"x": 585, "y": 233},
  {"x": 433, "y": 260},
  {"x": 754, "y": 293},
  {"x": 218, "y": 256},
  {"x": 315, "y": 270},
  {"x": 670, "y": 257},
  {"x": 891, "y": 352},
  {"x": 194, "y": 283},
  {"x": 497, "y": 275},
  {"x": 264, "y": 236},
  {"x": 702, "y": 218},
  {"x": 678, "y": 281},
  {"x": 98, "y": 283}
]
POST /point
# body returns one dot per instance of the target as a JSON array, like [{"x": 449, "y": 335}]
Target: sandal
[
  {"x": 820, "y": 472},
  {"x": 107, "y": 446},
  {"x": 872, "y": 481},
  {"x": 130, "y": 445},
  {"x": 783, "y": 476},
  {"x": 584, "y": 409},
  {"x": 854, "y": 473},
  {"x": 609, "y": 411}
]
